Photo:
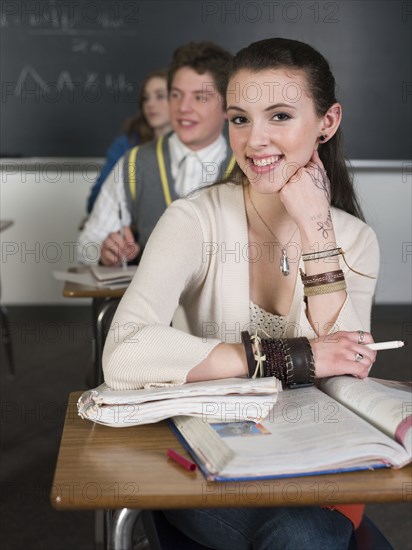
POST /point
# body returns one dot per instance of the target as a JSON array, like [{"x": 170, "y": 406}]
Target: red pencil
[{"x": 187, "y": 464}]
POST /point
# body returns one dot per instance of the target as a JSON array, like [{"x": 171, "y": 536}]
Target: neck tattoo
[{"x": 284, "y": 260}]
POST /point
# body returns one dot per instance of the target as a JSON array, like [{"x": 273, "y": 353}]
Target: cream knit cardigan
[{"x": 198, "y": 256}]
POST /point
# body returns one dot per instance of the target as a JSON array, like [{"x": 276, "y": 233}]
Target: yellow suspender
[
  {"x": 230, "y": 166},
  {"x": 162, "y": 170},
  {"x": 132, "y": 171}
]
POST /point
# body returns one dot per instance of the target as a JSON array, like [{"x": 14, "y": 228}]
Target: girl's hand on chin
[{"x": 306, "y": 195}]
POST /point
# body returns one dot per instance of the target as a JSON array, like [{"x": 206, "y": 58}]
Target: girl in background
[{"x": 152, "y": 121}]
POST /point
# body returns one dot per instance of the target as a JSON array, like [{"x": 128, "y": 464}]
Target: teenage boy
[{"x": 149, "y": 177}]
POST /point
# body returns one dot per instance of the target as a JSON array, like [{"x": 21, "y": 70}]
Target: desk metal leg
[{"x": 125, "y": 530}]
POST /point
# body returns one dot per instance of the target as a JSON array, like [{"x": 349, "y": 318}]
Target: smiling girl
[{"x": 275, "y": 261}]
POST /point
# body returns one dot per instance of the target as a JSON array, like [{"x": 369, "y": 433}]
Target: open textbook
[
  {"x": 231, "y": 399},
  {"x": 346, "y": 424}
]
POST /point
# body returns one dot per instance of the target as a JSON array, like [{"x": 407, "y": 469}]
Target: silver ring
[
  {"x": 358, "y": 357},
  {"x": 361, "y": 337}
]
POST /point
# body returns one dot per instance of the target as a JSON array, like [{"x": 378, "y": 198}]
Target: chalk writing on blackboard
[
  {"x": 69, "y": 15},
  {"x": 31, "y": 85}
]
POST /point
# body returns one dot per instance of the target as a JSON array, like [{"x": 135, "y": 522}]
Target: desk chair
[
  {"x": 103, "y": 313},
  {"x": 161, "y": 535}
]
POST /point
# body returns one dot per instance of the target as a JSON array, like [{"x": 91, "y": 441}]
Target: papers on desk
[
  {"x": 229, "y": 400},
  {"x": 99, "y": 276},
  {"x": 113, "y": 275}
]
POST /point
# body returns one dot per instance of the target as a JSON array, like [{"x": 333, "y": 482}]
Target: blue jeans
[{"x": 311, "y": 528}]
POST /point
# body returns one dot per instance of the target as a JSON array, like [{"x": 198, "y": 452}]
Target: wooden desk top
[
  {"x": 75, "y": 290},
  {"x": 103, "y": 467}
]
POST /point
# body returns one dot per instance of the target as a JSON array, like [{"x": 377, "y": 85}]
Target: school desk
[{"x": 100, "y": 467}]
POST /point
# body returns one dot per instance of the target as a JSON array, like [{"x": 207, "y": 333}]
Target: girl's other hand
[{"x": 339, "y": 353}]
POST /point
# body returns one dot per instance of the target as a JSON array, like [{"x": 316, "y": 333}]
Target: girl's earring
[{"x": 322, "y": 138}]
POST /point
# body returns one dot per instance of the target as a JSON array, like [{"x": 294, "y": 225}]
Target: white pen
[
  {"x": 124, "y": 259},
  {"x": 386, "y": 345}
]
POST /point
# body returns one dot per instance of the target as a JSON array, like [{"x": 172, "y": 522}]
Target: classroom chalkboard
[{"x": 71, "y": 70}]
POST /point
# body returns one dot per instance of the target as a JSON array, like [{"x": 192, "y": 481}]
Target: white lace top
[{"x": 267, "y": 324}]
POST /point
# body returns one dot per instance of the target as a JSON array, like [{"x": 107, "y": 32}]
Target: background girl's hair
[
  {"x": 274, "y": 53},
  {"x": 136, "y": 127}
]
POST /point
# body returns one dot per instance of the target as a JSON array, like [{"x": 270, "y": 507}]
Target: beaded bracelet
[{"x": 275, "y": 364}]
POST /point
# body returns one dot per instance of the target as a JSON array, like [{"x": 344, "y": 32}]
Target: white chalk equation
[
  {"x": 91, "y": 85},
  {"x": 69, "y": 15}
]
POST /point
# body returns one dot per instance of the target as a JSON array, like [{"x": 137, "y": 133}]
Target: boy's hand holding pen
[
  {"x": 128, "y": 249},
  {"x": 119, "y": 248}
]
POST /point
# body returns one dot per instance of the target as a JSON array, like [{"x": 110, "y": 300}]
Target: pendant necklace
[{"x": 284, "y": 260}]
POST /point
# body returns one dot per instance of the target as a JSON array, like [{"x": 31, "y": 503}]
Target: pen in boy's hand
[
  {"x": 124, "y": 258},
  {"x": 187, "y": 464},
  {"x": 385, "y": 345}
]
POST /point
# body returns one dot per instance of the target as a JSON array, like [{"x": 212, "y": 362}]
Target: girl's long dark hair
[
  {"x": 277, "y": 53},
  {"x": 137, "y": 126}
]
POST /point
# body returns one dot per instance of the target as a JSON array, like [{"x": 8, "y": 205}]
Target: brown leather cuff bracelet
[{"x": 300, "y": 363}]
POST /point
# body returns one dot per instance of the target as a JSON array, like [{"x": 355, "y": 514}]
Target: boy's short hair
[{"x": 202, "y": 57}]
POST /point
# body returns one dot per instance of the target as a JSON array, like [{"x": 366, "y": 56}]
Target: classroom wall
[{"x": 46, "y": 200}]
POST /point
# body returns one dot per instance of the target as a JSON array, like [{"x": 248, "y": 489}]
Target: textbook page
[
  {"x": 306, "y": 432},
  {"x": 386, "y": 404}
]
